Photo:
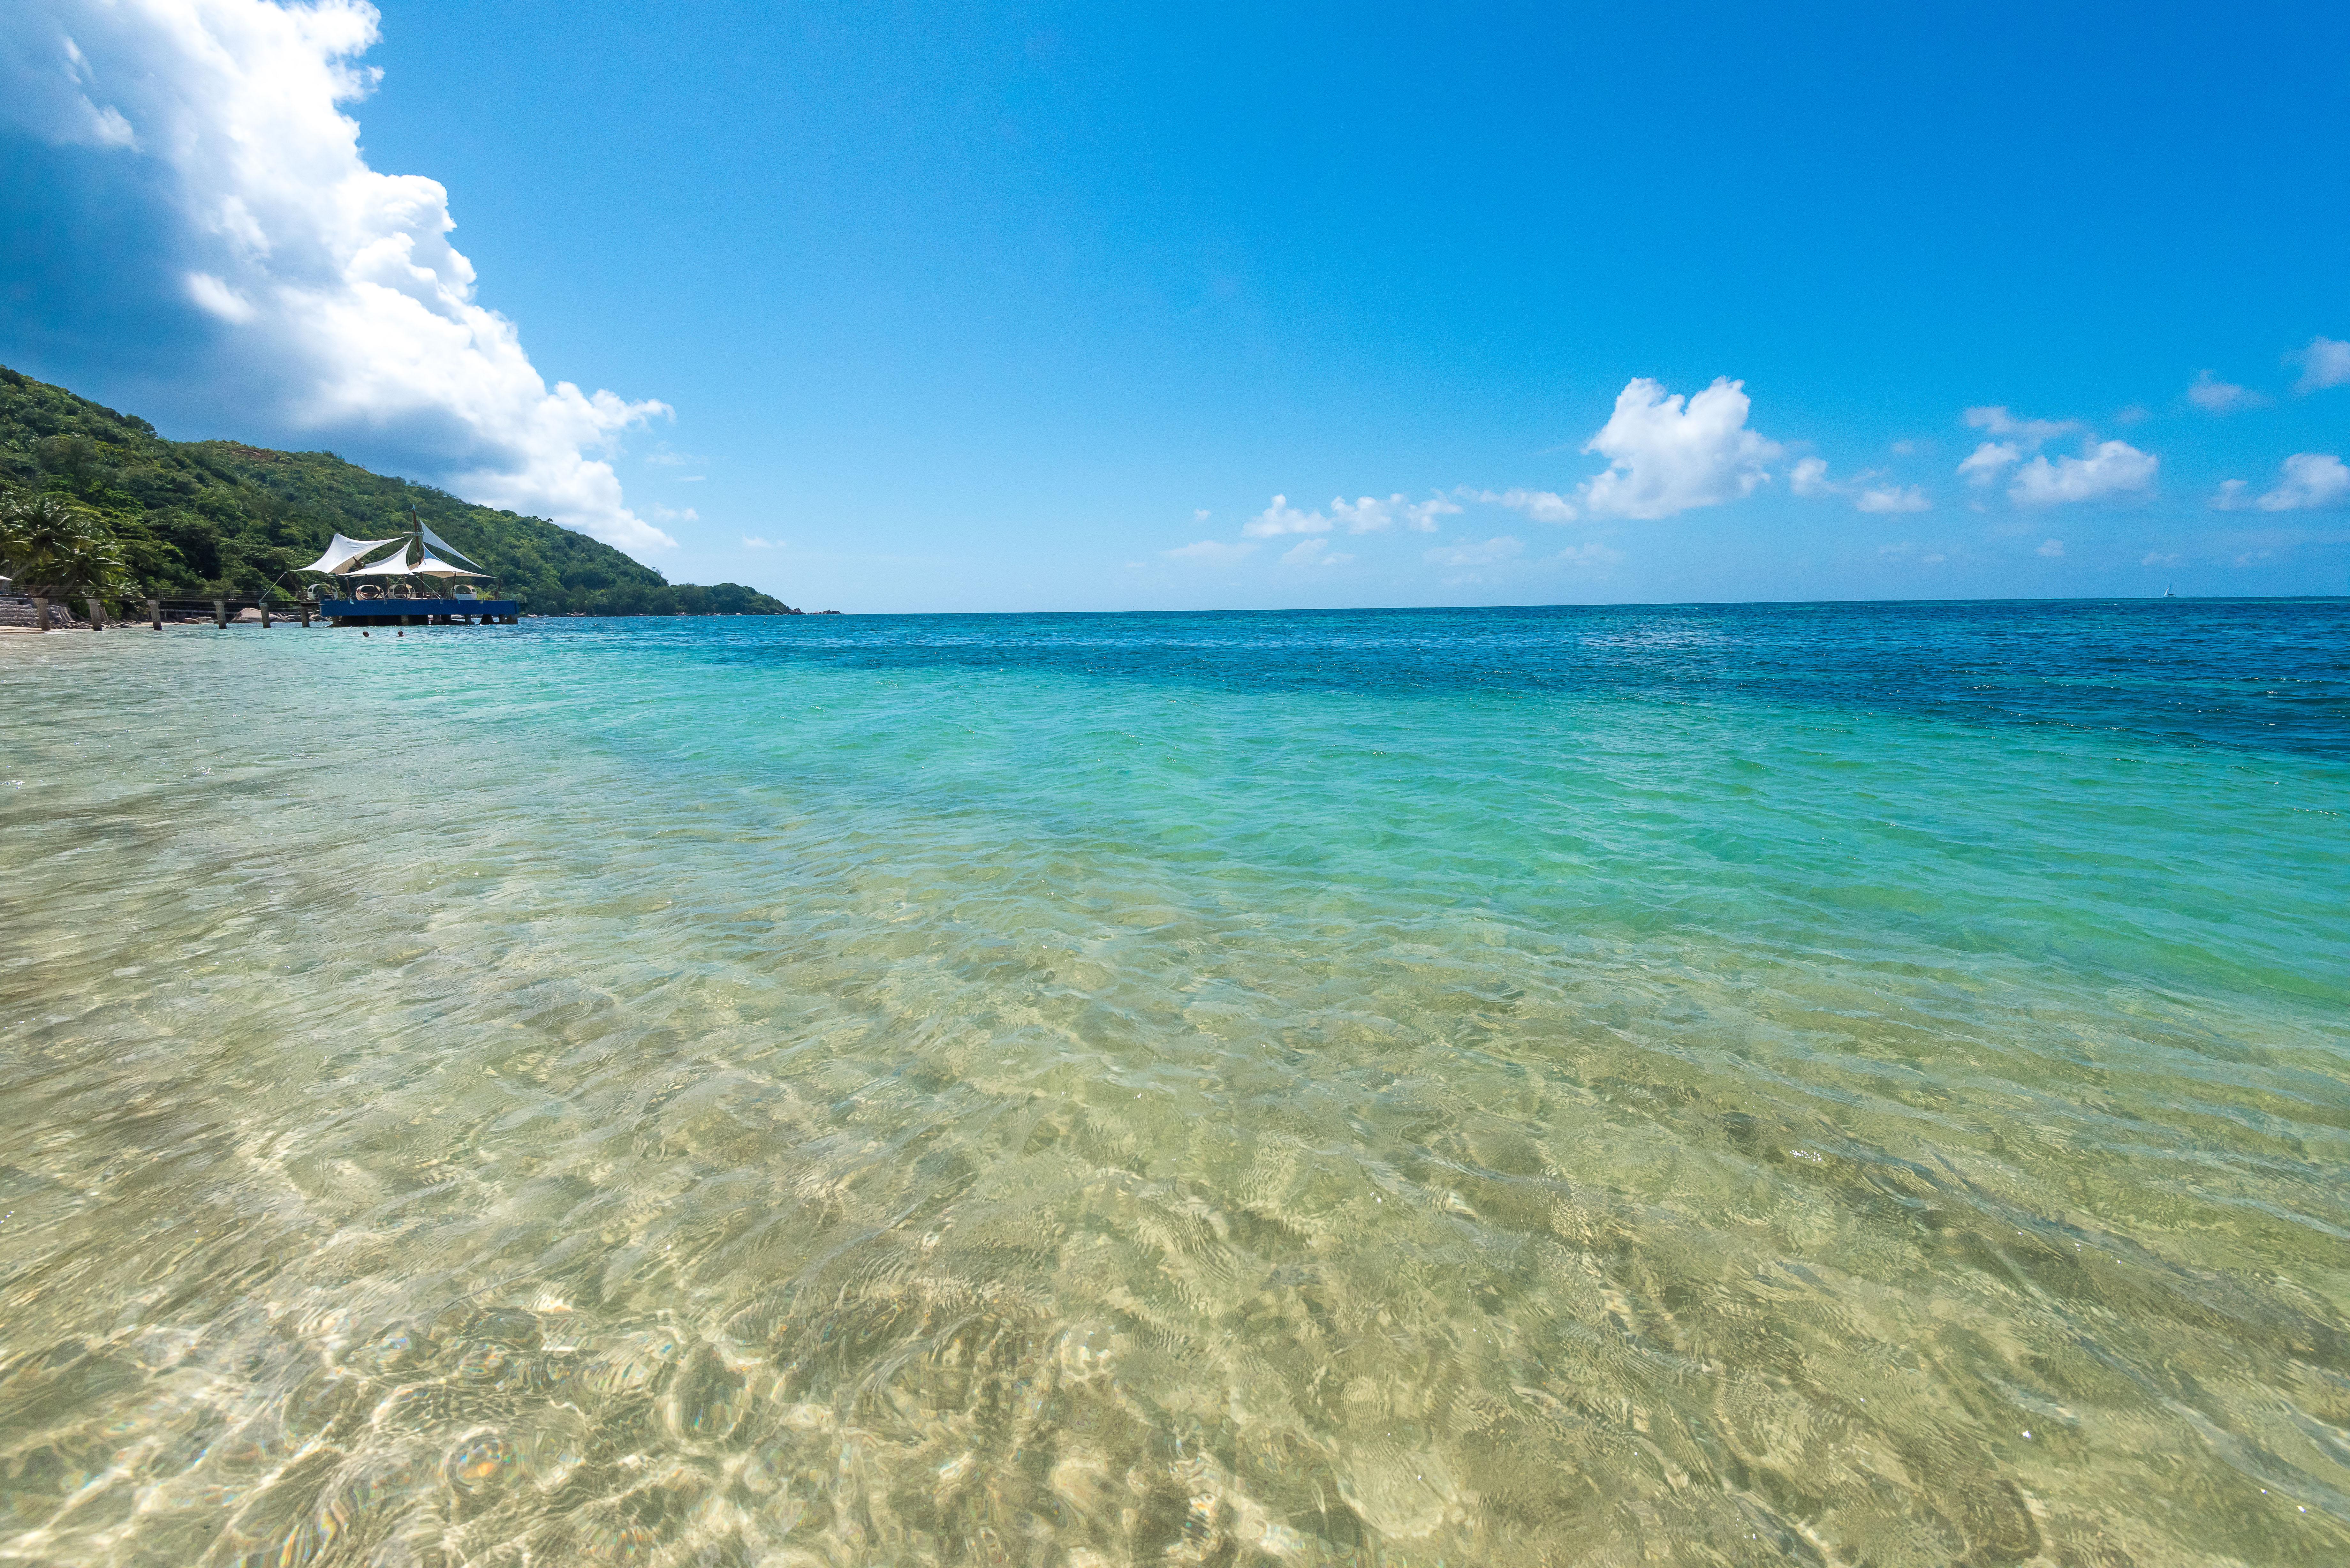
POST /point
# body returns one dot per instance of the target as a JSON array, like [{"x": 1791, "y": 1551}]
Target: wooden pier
[{"x": 421, "y": 612}]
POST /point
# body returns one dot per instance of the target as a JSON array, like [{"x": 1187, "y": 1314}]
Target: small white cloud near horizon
[
  {"x": 1537, "y": 505},
  {"x": 1996, "y": 422},
  {"x": 1280, "y": 517},
  {"x": 337, "y": 301},
  {"x": 1884, "y": 500},
  {"x": 2216, "y": 397},
  {"x": 1985, "y": 463},
  {"x": 670, "y": 514},
  {"x": 2011, "y": 438},
  {"x": 1666, "y": 454},
  {"x": 1487, "y": 553},
  {"x": 1594, "y": 557},
  {"x": 1809, "y": 479},
  {"x": 753, "y": 541},
  {"x": 2325, "y": 363},
  {"x": 1370, "y": 515},
  {"x": 1312, "y": 553},
  {"x": 1906, "y": 551},
  {"x": 2306, "y": 481},
  {"x": 1201, "y": 514},
  {"x": 2109, "y": 469},
  {"x": 2157, "y": 558},
  {"x": 1209, "y": 552},
  {"x": 2052, "y": 548}
]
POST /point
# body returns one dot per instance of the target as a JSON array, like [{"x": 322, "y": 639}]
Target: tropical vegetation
[
  {"x": 102, "y": 503},
  {"x": 54, "y": 546}
]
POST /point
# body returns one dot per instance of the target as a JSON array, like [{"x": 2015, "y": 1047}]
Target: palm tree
[{"x": 55, "y": 547}]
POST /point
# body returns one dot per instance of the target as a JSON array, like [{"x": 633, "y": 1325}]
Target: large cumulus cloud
[{"x": 283, "y": 288}]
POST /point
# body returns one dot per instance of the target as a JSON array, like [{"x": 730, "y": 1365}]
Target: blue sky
[{"x": 1041, "y": 306}]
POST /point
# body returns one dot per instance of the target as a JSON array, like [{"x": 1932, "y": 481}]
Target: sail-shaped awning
[
  {"x": 430, "y": 567},
  {"x": 343, "y": 552},
  {"x": 438, "y": 545},
  {"x": 392, "y": 566}
]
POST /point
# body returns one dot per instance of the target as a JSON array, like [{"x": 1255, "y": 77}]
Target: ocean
[{"x": 1820, "y": 1084}]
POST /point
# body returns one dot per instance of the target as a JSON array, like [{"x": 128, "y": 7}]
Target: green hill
[{"x": 214, "y": 519}]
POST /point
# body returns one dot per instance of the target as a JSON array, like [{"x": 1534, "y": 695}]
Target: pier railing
[{"x": 45, "y": 614}]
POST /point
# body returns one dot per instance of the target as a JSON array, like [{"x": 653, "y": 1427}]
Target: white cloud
[
  {"x": 1594, "y": 557},
  {"x": 666, "y": 515},
  {"x": 1281, "y": 517},
  {"x": 2254, "y": 557},
  {"x": 1890, "y": 498},
  {"x": 1312, "y": 553},
  {"x": 753, "y": 541},
  {"x": 1906, "y": 551},
  {"x": 2216, "y": 397},
  {"x": 1537, "y": 505},
  {"x": 339, "y": 307},
  {"x": 1199, "y": 514},
  {"x": 1368, "y": 514},
  {"x": 2306, "y": 481},
  {"x": 664, "y": 455},
  {"x": 1998, "y": 423},
  {"x": 1904, "y": 447},
  {"x": 1984, "y": 464},
  {"x": 2011, "y": 438},
  {"x": 2156, "y": 558},
  {"x": 211, "y": 294},
  {"x": 1809, "y": 479},
  {"x": 2110, "y": 468},
  {"x": 2325, "y": 363},
  {"x": 2052, "y": 548},
  {"x": 1665, "y": 457},
  {"x": 1210, "y": 552},
  {"x": 1490, "y": 553},
  {"x": 49, "y": 80}
]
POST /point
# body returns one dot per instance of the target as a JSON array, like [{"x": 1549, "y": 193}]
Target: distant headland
[{"x": 209, "y": 519}]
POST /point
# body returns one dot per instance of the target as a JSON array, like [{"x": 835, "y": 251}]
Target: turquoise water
[{"x": 1827, "y": 1085}]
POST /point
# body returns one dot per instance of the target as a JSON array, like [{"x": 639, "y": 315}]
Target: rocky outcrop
[{"x": 15, "y": 610}]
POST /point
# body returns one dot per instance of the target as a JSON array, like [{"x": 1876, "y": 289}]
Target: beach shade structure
[
  {"x": 392, "y": 566},
  {"x": 431, "y": 568},
  {"x": 435, "y": 544},
  {"x": 344, "y": 553}
]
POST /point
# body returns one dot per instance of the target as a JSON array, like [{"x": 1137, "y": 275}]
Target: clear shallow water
[{"x": 1824, "y": 1084}]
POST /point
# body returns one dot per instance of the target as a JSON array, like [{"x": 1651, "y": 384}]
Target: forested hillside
[{"x": 202, "y": 519}]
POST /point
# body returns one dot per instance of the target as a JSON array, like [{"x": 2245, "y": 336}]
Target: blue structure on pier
[{"x": 421, "y": 612}]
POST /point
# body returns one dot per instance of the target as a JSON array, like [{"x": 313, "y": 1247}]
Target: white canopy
[
  {"x": 392, "y": 566},
  {"x": 434, "y": 542},
  {"x": 430, "y": 567},
  {"x": 343, "y": 552}
]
